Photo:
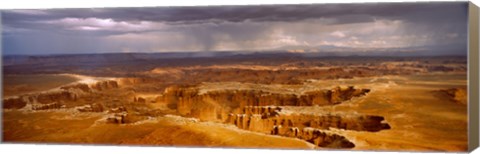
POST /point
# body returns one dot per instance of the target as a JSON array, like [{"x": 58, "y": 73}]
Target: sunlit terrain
[{"x": 359, "y": 103}]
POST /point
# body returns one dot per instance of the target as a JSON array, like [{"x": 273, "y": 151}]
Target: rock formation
[
  {"x": 261, "y": 111},
  {"x": 56, "y": 96},
  {"x": 124, "y": 118},
  {"x": 91, "y": 108},
  {"x": 14, "y": 103},
  {"x": 270, "y": 120},
  {"x": 117, "y": 110},
  {"x": 104, "y": 85},
  {"x": 314, "y": 136},
  {"x": 117, "y": 118},
  {"x": 263, "y": 123},
  {"x": 216, "y": 105},
  {"x": 64, "y": 94},
  {"x": 49, "y": 106},
  {"x": 340, "y": 94},
  {"x": 81, "y": 86}
]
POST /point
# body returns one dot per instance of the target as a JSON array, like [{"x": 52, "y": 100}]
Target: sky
[{"x": 294, "y": 28}]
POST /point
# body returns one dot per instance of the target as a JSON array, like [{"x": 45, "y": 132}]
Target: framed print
[{"x": 352, "y": 76}]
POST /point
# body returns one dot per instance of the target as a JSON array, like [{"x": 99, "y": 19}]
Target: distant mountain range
[
  {"x": 331, "y": 50},
  {"x": 287, "y": 51},
  {"x": 321, "y": 50}
]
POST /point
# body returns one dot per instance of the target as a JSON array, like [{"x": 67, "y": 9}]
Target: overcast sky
[{"x": 252, "y": 28}]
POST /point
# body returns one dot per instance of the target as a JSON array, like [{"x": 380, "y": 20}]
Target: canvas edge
[{"x": 473, "y": 77}]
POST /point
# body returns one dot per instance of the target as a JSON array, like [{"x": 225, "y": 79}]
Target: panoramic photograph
[{"x": 353, "y": 76}]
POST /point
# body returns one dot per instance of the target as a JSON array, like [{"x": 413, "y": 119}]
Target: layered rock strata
[
  {"x": 216, "y": 105},
  {"x": 64, "y": 94},
  {"x": 261, "y": 111}
]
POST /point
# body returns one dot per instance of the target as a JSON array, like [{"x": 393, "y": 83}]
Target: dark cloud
[
  {"x": 345, "y": 13},
  {"x": 208, "y": 27}
]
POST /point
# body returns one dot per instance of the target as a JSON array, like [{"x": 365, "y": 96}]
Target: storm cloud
[{"x": 253, "y": 28}]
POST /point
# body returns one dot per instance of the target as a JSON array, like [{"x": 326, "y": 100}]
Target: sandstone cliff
[
  {"x": 315, "y": 136},
  {"x": 216, "y": 105},
  {"x": 264, "y": 122},
  {"x": 64, "y": 94}
]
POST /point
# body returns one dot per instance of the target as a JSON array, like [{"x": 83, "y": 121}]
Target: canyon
[{"x": 359, "y": 103}]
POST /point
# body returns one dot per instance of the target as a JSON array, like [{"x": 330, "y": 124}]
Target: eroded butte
[{"x": 275, "y": 101}]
